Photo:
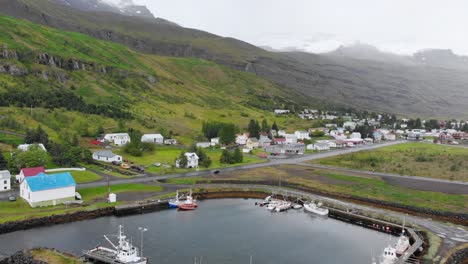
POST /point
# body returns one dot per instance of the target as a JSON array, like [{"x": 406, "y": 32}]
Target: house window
[
  {"x": 4, "y": 188},
  {"x": 5, "y": 182}
]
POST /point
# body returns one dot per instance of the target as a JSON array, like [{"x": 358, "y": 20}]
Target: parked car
[
  {"x": 216, "y": 172},
  {"x": 137, "y": 168},
  {"x": 157, "y": 164},
  {"x": 116, "y": 163},
  {"x": 78, "y": 196},
  {"x": 125, "y": 166},
  {"x": 12, "y": 198}
]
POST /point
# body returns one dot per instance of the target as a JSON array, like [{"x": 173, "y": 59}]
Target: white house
[
  {"x": 390, "y": 136},
  {"x": 118, "y": 139},
  {"x": 355, "y": 135},
  {"x": 319, "y": 146},
  {"x": 214, "y": 141},
  {"x": 46, "y": 190},
  {"x": 281, "y": 133},
  {"x": 281, "y": 111},
  {"x": 331, "y": 143},
  {"x": 203, "y": 144},
  {"x": 153, "y": 138},
  {"x": 241, "y": 139},
  {"x": 290, "y": 139},
  {"x": 29, "y": 172},
  {"x": 5, "y": 180},
  {"x": 302, "y": 135},
  {"x": 25, "y": 147},
  {"x": 192, "y": 160},
  {"x": 106, "y": 156},
  {"x": 170, "y": 141},
  {"x": 350, "y": 124}
]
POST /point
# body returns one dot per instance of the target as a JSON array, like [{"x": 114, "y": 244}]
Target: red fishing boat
[{"x": 187, "y": 207}]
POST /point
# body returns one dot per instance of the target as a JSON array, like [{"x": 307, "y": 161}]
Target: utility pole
[{"x": 142, "y": 230}]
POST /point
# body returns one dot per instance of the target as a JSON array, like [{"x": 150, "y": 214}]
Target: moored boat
[
  {"x": 296, "y": 206},
  {"x": 188, "y": 204},
  {"x": 315, "y": 208},
  {"x": 283, "y": 206},
  {"x": 124, "y": 252},
  {"x": 174, "y": 203},
  {"x": 403, "y": 242}
]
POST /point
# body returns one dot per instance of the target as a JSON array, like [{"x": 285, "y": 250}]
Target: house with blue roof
[{"x": 48, "y": 189}]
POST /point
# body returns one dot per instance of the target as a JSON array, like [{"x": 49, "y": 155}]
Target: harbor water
[{"x": 219, "y": 231}]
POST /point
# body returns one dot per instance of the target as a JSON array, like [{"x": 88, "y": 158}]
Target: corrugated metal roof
[
  {"x": 43, "y": 181},
  {"x": 28, "y": 172}
]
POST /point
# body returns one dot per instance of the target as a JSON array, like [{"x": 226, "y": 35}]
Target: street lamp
[{"x": 142, "y": 230}]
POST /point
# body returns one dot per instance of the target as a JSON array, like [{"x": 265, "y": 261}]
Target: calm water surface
[{"x": 221, "y": 231}]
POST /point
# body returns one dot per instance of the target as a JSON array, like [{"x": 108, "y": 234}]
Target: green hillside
[{"x": 75, "y": 83}]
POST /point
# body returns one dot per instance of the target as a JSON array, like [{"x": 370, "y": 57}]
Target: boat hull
[
  {"x": 187, "y": 207},
  {"x": 315, "y": 210},
  {"x": 173, "y": 205}
]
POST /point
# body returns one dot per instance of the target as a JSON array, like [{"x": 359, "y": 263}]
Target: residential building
[
  {"x": 252, "y": 143},
  {"x": 281, "y": 111},
  {"x": 214, "y": 141},
  {"x": 46, "y": 190},
  {"x": 5, "y": 180},
  {"x": 119, "y": 139},
  {"x": 302, "y": 134},
  {"x": 340, "y": 143},
  {"x": 320, "y": 146},
  {"x": 153, "y": 138},
  {"x": 170, "y": 141},
  {"x": 281, "y": 133},
  {"x": 356, "y": 135},
  {"x": 29, "y": 172},
  {"x": 291, "y": 139},
  {"x": 390, "y": 136},
  {"x": 106, "y": 156},
  {"x": 192, "y": 160},
  {"x": 203, "y": 144},
  {"x": 280, "y": 141},
  {"x": 242, "y": 139},
  {"x": 290, "y": 149},
  {"x": 264, "y": 141},
  {"x": 25, "y": 147},
  {"x": 349, "y": 124}
]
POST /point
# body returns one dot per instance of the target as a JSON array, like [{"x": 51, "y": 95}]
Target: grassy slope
[
  {"x": 427, "y": 160},
  {"x": 187, "y": 90},
  {"x": 53, "y": 257}
]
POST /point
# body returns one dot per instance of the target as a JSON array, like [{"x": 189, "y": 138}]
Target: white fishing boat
[
  {"x": 388, "y": 256},
  {"x": 315, "y": 208},
  {"x": 283, "y": 206},
  {"x": 297, "y": 206},
  {"x": 403, "y": 242},
  {"x": 124, "y": 252},
  {"x": 273, "y": 204}
]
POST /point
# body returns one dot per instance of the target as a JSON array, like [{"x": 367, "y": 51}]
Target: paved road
[{"x": 411, "y": 182}]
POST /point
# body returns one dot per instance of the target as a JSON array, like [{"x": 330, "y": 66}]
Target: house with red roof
[{"x": 29, "y": 172}]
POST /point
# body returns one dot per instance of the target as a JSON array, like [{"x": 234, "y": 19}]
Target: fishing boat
[
  {"x": 124, "y": 252},
  {"x": 272, "y": 205},
  {"x": 283, "y": 206},
  {"x": 315, "y": 208},
  {"x": 174, "y": 203},
  {"x": 388, "y": 256},
  {"x": 189, "y": 203},
  {"x": 297, "y": 206},
  {"x": 403, "y": 242}
]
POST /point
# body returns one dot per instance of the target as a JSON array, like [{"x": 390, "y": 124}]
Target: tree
[
  {"x": 265, "y": 127},
  {"x": 182, "y": 160},
  {"x": 34, "y": 157},
  {"x": 100, "y": 131},
  {"x": 206, "y": 162},
  {"x": 37, "y": 136},
  {"x": 227, "y": 135},
  {"x": 136, "y": 147},
  {"x": 254, "y": 128},
  {"x": 3, "y": 162},
  {"x": 225, "y": 157},
  {"x": 275, "y": 126},
  {"x": 237, "y": 157}
]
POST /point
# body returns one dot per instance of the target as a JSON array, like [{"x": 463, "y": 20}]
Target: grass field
[
  {"x": 53, "y": 257},
  {"x": 85, "y": 176},
  {"x": 94, "y": 198},
  {"x": 334, "y": 183},
  {"x": 11, "y": 139},
  {"x": 415, "y": 159}
]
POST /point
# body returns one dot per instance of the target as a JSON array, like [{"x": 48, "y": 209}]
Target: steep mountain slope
[
  {"x": 360, "y": 76},
  {"x": 47, "y": 68},
  {"x": 157, "y": 36}
]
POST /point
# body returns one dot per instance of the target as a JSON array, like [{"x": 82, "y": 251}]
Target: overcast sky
[{"x": 401, "y": 26}]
